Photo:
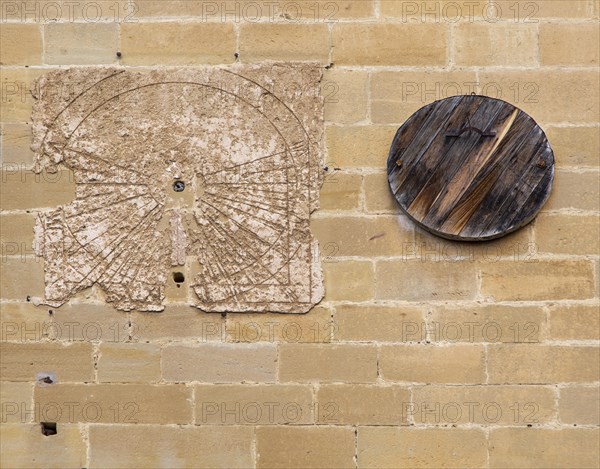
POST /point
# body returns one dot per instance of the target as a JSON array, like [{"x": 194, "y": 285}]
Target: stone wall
[{"x": 424, "y": 352}]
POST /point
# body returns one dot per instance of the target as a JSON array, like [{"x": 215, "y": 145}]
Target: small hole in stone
[
  {"x": 178, "y": 186},
  {"x": 119, "y": 54},
  {"x": 28, "y": 298},
  {"x": 50, "y": 312},
  {"x": 49, "y": 428},
  {"x": 178, "y": 277},
  {"x": 46, "y": 380}
]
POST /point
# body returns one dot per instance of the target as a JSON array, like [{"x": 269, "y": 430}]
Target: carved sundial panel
[{"x": 216, "y": 168}]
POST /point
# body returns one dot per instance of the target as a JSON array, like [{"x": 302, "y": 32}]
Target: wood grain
[{"x": 470, "y": 168}]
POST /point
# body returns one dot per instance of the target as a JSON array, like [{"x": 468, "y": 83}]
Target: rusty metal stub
[{"x": 470, "y": 168}]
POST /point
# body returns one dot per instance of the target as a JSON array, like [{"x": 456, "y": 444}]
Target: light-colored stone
[
  {"x": 21, "y": 277},
  {"x": 485, "y": 44},
  {"x": 361, "y": 236},
  {"x": 328, "y": 388},
  {"x": 327, "y": 363},
  {"x": 304, "y": 447},
  {"x": 575, "y": 190},
  {"x": 21, "y": 44},
  {"x": 542, "y": 364},
  {"x": 351, "y": 404},
  {"x": 267, "y": 41},
  {"x": 272, "y": 404},
  {"x": 16, "y": 234},
  {"x": 575, "y": 147},
  {"x": 415, "y": 280},
  {"x": 238, "y": 11},
  {"x": 15, "y": 150},
  {"x": 44, "y": 12},
  {"x": 177, "y": 322},
  {"x": 395, "y": 96},
  {"x": 532, "y": 13},
  {"x": 544, "y": 448},
  {"x": 348, "y": 280},
  {"x": 478, "y": 44},
  {"x": 340, "y": 191},
  {"x": 537, "y": 280},
  {"x": 579, "y": 405},
  {"x": 170, "y": 446},
  {"x": 68, "y": 362},
  {"x": 345, "y": 96},
  {"x": 597, "y": 275},
  {"x": 431, "y": 364},
  {"x": 574, "y": 322},
  {"x": 178, "y": 292},
  {"x": 114, "y": 403},
  {"x": 161, "y": 43},
  {"x": 327, "y": 11},
  {"x": 313, "y": 327},
  {"x": 24, "y": 189},
  {"x": 548, "y": 96},
  {"x": 486, "y": 323},
  {"x": 81, "y": 43},
  {"x": 15, "y": 95},
  {"x": 91, "y": 323},
  {"x": 24, "y": 446},
  {"x": 513, "y": 246},
  {"x": 564, "y": 234},
  {"x": 250, "y": 247},
  {"x": 483, "y": 405},
  {"x": 220, "y": 363},
  {"x": 444, "y": 12},
  {"x": 569, "y": 44},
  {"x": 435, "y": 11},
  {"x": 390, "y": 44},
  {"x": 378, "y": 196},
  {"x": 413, "y": 448},
  {"x": 360, "y": 146},
  {"x": 15, "y": 402},
  {"x": 129, "y": 363},
  {"x": 354, "y": 323},
  {"x": 24, "y": 322},
  {"x": 180, "y": 8}
]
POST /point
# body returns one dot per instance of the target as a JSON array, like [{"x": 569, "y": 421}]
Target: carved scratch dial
[{"x": 212, "y": 170}]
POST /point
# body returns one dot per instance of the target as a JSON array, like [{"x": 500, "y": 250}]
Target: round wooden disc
[{"x": 470, "y": 168}]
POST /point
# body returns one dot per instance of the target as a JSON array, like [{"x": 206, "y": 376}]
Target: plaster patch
[{"x": 217, "y": 167}]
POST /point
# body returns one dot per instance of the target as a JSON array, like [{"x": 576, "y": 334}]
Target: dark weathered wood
[{"x": 470, "y": 168}]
